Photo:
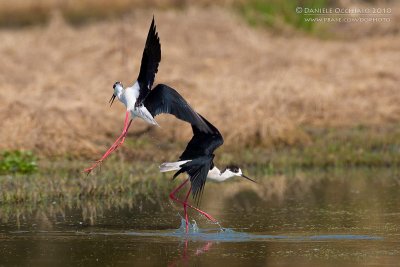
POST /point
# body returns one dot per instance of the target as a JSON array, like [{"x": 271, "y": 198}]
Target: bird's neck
[
  {"x": 215, "y": 174},
  {"x": 119, "y": 92}
]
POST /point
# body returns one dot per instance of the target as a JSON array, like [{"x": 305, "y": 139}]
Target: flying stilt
[
  {"x": 140, "y": 101},
  {"x": 198, "y": 162}
]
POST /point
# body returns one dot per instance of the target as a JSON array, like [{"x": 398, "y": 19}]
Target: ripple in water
[{"x": 222, "y": 234}]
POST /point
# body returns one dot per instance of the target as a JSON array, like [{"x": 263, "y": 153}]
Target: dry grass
[{"x": 258, "y": 88}]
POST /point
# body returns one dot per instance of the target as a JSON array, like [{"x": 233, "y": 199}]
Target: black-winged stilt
[
  {"x": 197, "y": 162},
  {"x": 140, "y": 101}
]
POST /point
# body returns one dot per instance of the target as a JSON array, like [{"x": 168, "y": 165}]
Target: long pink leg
[
  {"x": 173, "y": 197},
  {"x": 123, "y": 135},
  {"x": 185, "y": 209},
  {"x": 115, "y": 145}
]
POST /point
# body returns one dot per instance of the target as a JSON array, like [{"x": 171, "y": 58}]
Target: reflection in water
[
  {"x": 351, "y": 216},
  {"x": 185, "y": 255},
  {"x": 352, "y": 190}
]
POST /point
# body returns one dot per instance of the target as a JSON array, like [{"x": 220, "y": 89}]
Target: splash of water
[
  {"x": 230, "y": 235},
  {"x": 222, "y": 234},
  {"x": 194, "y": 232},
  {"x": 193, "y": 227}
]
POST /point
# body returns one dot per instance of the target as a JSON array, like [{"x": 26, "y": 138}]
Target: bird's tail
[{"x": 172, "y": 166}]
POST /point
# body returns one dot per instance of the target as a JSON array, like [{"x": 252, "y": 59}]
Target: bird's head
[
  {"x": 118, "y": 89},
  {"x": 233, "y": 170}
]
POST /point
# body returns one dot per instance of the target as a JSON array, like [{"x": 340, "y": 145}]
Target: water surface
[{"x": 326, "y": 218}]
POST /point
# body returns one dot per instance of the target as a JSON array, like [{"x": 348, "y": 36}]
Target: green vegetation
[
  {"x": 339, "y": 148},
  {"x": 12, "y": 162},
  {"x": 133, "y": 172},
  {"x": 65, "y": 181},
  {"x": 276, "y": 13}
]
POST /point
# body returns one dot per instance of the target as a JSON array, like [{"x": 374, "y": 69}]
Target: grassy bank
[
  {"x": 133, "y": 170},
  {"x": 295, "y": 105}
]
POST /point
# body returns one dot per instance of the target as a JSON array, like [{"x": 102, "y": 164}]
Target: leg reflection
[{"x": 187, "y": 255}]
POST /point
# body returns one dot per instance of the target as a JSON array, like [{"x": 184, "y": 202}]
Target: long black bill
[
  {"x": 111, "y": 101},
  {"x": 248, "y": 178}
]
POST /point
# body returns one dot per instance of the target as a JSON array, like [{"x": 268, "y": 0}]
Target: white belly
[{"x": 130, "y": 96}]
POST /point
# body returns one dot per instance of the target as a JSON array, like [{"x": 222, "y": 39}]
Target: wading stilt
[{"x": 198, "y": 162}]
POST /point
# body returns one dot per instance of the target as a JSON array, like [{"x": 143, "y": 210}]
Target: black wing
[
  {"x": 150, "y": 60},
  {"x": 202, "y": 143},
  {"x": 200, "y": 151},
  {"x": 197, "y": 169},
  {"x": 164, "y": 99}
]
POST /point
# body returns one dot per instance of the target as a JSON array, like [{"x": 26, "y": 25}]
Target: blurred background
[
  {"x": 286, "y": 91},
  {"x": 308, "y": 105},
  {"x": 256, "y": 69}
]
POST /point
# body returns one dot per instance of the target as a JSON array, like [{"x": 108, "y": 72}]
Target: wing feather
[
  {"x": 197, "y": 170},
  {"x": 200, "y": 151},
  {"x": 150, "y": 61},
  {"x": 202, "y": 144},
  {"x": 164, "y": 99}
]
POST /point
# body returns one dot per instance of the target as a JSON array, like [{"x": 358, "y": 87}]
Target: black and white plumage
[
  {"x": 145, "y": 103},
  {"x": 198, "y": 160}
]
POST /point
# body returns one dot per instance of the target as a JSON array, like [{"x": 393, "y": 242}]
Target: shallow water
[{"x": 347, "y": 217}]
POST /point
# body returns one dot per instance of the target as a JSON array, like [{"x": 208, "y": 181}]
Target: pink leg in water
[
  {"x": 185, "y": 209},
  {"x": 120, "y": 140},
  {"x": 173, "y": 197}
]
